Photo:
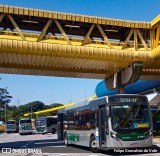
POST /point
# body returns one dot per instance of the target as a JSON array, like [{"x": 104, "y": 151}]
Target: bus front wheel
[
  {"x": 65, "y": 139},
  {"x": 53, "y": 131},
  {"x": 92, "y": 145}
]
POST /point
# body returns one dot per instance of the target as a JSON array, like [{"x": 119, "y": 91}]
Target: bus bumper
[{"x": 130, "y": 144}]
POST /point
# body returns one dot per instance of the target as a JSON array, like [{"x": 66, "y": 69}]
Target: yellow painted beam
[
  {"x": 156, "y": 43},
  {"x": 16, "y": 26},
  {"x": 155, "y": 21},
  {"x": 151, "y": 72},
  {"x": 135, "y": 40},
  {"x": 155, "y": 53},
  {"x": 104, "y": 36},
  {"x": 44, "y": 29},
  {"x": 58, "y": 108},
  {"x": 88, "y": 34},
  {"x": 127, "y": 39},
  {"x": 72, "y": 17},
  {"x": 54, "y": 68},
  {"x": 62, "y": 31},
  {"x": 1, "y": 16},
  {"x": 69, "y": 51},
  {"x": 142, "y": 39},
  {"x": 50, "y": 110},
  {"x": 152, "y": 38}
]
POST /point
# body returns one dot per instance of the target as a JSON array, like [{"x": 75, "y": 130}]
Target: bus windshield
[
  {"x": 25, "y": 121},
  {"x": 136, "y": 116},
  {"x": 41, "y": 122},
  {"x": 10, "y": 122}
]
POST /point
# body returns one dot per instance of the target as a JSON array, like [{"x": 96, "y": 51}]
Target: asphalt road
[{"x": 48, "y": 145}]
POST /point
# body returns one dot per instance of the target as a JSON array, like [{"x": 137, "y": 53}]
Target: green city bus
[
  {"x": 25, "y": 126},
  {"x": 12, "y": 126},
  {"x": 46, "y": 125},
  {"x": 109, "y": 122}
]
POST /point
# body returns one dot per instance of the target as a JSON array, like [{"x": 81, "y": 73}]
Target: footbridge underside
[{"x": 37, "y": 42}]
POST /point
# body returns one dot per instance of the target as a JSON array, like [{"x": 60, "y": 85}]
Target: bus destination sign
[{"x": 127, "y": 99}]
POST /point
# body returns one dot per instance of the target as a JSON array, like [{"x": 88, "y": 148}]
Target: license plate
[{"x": 134, "y": 144}]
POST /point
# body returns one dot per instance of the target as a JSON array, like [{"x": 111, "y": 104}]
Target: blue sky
[{"x": 25, "y": 89}]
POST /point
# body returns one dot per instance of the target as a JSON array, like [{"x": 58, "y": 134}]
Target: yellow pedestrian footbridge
[{"x": 38, "y": 42}]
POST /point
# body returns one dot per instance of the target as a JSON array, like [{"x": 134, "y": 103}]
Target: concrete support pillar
[{"x": 121, "y": 90}]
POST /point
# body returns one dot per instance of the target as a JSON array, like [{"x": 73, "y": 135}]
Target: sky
[{"x": 49, "y": 90}]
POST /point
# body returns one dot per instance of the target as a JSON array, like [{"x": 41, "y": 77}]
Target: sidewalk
[{"x": 156, "y": 139}]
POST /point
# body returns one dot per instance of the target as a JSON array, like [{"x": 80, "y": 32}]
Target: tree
[
  {"x": 16, "y": 114},
  {"x": 5, "y": 98},
  {"x": 53, "y": 105},
  {"x": 156, "y": 116},
  {"x": 32, "y": 106}
]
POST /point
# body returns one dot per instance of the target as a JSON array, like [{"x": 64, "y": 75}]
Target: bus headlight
[
  {"x": 149, "y": 134},
  {"x": 45, "y": 129},
  {"x": 114, "y": 136}
]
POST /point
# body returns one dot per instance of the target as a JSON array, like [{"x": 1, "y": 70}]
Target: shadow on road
[{"x": 55, "y": 146}]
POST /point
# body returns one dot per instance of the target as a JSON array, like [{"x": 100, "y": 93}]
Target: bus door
[
  {"x": 60, "y": 126},
  {"x": 102, "y": 125}
]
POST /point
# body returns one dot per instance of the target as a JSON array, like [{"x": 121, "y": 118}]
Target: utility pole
[
  {"x": 31, "y": 111},
  {"x": 18, "y": 102},
  {"x": 1, "y": 109},
  {"x": 70, "y": 98},
  {"x": 5, "y": 114}
]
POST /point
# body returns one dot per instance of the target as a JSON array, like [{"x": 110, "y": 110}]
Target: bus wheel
[
  {"x": 92, "y": 145},
  {"x": 65, "y": 140},
  {"x": 53, "y": 131}
]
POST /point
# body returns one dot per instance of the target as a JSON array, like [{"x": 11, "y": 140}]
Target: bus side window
[
  {"x": 92, "y": 120},
  {"x": 54, "y": 120},
  {"x": 92, "y": 117},
  {"x": 49, "y": 122}
]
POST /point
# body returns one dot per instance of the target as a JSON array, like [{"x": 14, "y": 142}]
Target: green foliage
[
  {"x": 5, "y": 98},
  {"x": 32, "y": 107},
  {"x": 53, "y": 105},
  {"x": 156, "y": 116},
  {"x": 16, "y": 113}
]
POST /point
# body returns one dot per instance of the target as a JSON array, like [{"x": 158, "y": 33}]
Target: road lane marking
[
  {"x": 55, "y": 142},
  {"x": 29, "y": 142},
  {"x": 57, "y": 146}
]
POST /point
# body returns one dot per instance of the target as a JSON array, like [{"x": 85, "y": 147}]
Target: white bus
[
  {"x": 12, "y": 126},
  {"x": 109, "y": 122},
  {"x": 46, "y": 125},
  {"x": 25, "y": 126}
]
